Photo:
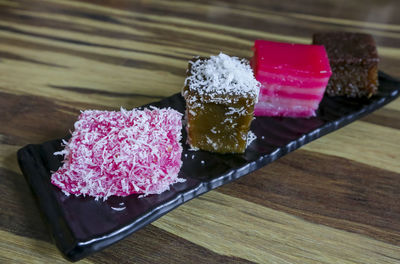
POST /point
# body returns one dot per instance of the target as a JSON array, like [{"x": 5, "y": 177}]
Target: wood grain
[
  {"x": 20, "y": 249},
  {"x": 327, "y": 190},
  {"x": 375, "y": 147},
  {"x": 333, "y": 201},
  {"x": 260, "y": 233},
  {"x": 385, "y": 117}
]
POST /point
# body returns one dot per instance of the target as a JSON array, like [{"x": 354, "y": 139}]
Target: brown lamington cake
[
  {"x": 354, "y": 62},
  {"x": 220, "y": 94}
]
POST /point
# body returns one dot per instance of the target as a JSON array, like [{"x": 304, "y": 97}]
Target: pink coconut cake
[
  {"x": 293, "y": 78},
  {"x": 121, "y": 153}
]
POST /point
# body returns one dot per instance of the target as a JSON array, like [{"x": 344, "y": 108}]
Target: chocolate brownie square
[{"x": 354, "y": 62}]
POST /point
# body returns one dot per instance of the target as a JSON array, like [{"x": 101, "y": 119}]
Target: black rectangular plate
[{"x": 81, "y": 225}]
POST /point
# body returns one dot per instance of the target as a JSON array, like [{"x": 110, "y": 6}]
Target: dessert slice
[
  {"x": 293, "y": 78},
  {"x": 354, "y": 61},
  {"x": 121, "y": 153},
  {"x": 220, "y": 94}
]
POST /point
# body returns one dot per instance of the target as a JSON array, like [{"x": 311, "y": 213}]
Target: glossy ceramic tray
[{"x": 81, "y": 226}]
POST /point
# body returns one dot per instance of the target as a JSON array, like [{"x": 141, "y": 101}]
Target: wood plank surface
[{"x": 336, "y": 200}]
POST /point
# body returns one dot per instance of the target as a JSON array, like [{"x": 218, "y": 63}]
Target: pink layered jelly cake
[
  {"x": 293, "y": 78},
  {"x": 121, "y": 153}
]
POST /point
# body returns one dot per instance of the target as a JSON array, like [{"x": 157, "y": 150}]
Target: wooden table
[{"x": 336, "y": 200}]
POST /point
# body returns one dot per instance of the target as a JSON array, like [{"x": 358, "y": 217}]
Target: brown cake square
[
  {"x": 220, "y": 94},
  {"x": 354, "y": 62}
]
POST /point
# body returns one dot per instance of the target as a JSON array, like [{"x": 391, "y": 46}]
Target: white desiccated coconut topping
[
  {"x": 250, "y": 138},
  {"x": 223, "y": 75}
]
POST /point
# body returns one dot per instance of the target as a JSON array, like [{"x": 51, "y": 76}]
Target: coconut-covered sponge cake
[
  {"x": 293, "y": 78},
  {"x": 354, "y": 61},
  {"x": 220, "y": 94},
  {"x": 121, "y": 153}
]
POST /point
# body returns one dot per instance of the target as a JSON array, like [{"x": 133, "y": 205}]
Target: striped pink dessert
[{"x": 293, "y": 78}]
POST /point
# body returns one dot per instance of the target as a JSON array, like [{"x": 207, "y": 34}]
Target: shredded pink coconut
[{"x": 121, "y": 153}]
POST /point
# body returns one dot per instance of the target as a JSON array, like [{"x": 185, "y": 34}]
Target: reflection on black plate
[{"x": 81, "y": 225}]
